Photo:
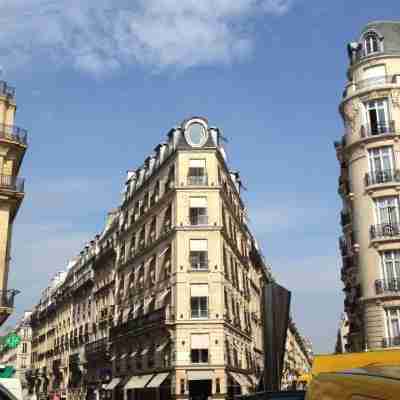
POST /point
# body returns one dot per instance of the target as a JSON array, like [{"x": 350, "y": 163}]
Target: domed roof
[{"x": 388, "y": 31}]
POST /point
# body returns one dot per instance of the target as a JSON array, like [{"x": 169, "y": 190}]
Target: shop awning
[
  {"x": 240, "y": 379},
  {"x": 157, "y": 380},
  {"x": 113, "y": 384},
  {"x": 199, "y": 375},
  {"x": 137, "y": 381}
]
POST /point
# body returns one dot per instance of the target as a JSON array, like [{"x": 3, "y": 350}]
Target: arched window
[{"x": 371, "y": 43}]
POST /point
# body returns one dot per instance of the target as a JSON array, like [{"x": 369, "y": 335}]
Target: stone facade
[
  {"x": 13, "y": 144},
  {"x": 369, "y": 186},
  {"x": 165, "y": 303}
]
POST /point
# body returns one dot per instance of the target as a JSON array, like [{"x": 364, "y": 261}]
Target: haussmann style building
[
  {"x": 369, "y": 184},
  {"x": 165, "y": 303},
  {"x": 13, "y": 144}
]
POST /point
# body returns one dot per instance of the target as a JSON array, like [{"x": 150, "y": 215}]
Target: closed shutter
[
  {"x": 198, "y": 202},
  {"x": 197, "y": 163},
  {"x": 199, "y": 290},
  {"x": 200, "y": 341}
]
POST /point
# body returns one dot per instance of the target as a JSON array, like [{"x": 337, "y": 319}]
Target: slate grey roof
[{"x": 389, "y": 30}]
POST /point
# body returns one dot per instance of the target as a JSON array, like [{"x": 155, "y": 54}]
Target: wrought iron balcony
[
  {"x": 12, "y": 183},
  {"x": 382, "y": 231},
  {"x": 97, "y": 347},
  {"x": 141, "y": 323},
  {"x": 7, "y": 298},
  {"x": 6, "y": 90},
  {"x": 201, "y": 180},
  {"x": 380, "y": 128},
  {"x": 85, "y": 279},
  {"x": 14, "y": 133},
  {"x": 391, "y": 341},
  {"x": 387, "y": 286},
  {"x": 199, "y": 220},
  {"x": 377, "y": 81},
  {"x": 382, "y": 176}
]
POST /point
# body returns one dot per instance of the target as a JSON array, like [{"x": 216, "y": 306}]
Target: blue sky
[{"x": 100, "y": 82}]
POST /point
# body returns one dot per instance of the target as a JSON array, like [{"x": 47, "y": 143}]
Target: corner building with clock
[{"x": 188, "y": 276}]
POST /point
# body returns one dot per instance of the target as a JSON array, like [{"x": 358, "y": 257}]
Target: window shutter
[{"x": 197, "y": 163}]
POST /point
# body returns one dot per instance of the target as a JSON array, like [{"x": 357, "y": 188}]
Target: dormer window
[{"x": 372, "y": 43}]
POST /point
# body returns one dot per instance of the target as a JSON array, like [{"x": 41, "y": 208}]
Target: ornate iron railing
[
  {"x": 7, "y": 297},
  {"x": 201, "y": 180},
  {"x": 387, "y": 285},
  {"x": 6, "y": 90},
  {"x": 380, "y": 128},
  {"x": 382, "y": 176},
  {"x": 13, "y": 183},
  {"x": 386, "y": 230},
  {"x": 12, "y": 132}
]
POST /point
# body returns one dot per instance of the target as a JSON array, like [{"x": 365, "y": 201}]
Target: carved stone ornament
[
  {"x": 396, "y": 98},
  {"x": 350, "y": 112}
]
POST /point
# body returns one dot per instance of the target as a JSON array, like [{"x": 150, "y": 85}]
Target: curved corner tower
[
  {"x": 13, "y": 144},
  {"x": 369, "y": 184}
]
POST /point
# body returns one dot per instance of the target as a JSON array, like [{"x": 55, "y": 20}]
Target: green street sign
[
  {"x": 7, "y": 372},
  {"x": 12, "y": 340}
]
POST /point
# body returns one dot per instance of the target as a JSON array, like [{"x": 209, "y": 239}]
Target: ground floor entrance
[{"x": 200, "y": 390}]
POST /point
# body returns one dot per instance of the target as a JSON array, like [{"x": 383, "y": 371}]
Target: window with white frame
[
  {"x": 387, "y": 210},
  {"x": 391, "y": 265},
  {"x": 372, "y": 43},
  {"x": 199, "y": 300},
  {"x": 198, "y": 211},
  {"x": 197, "y": 174},
  {"x": 198, "y": 254},
  {"x": 199, "y": 348},
  {"x": 377, "y": 116},
  {"x": 381, "y": 164},
  {"x": 393, "y": 325}
]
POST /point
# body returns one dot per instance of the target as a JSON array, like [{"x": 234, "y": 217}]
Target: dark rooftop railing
[
  {"x": 382, "y": 176},
  {"x": 13, "y": 183},
  {"x": 12, "y": 132},
  {"x": 6, "y": 90},
  {"x": 391, "y": 341},
  {"x": 387, "y": 285},
  {"x": 390, "y": 229},
  {"x": 7, "y": 297},
  {"x": 380, "y": 128},
  {"x": 378, "y": 80}
]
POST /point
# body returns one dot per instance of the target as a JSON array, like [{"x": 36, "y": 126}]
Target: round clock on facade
[{"x": 196, "y": 134}]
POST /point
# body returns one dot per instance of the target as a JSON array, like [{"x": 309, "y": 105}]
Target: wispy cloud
[{"x": 99, "y": 36}]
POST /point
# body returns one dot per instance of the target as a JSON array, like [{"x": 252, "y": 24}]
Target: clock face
[{"x": 196, "y": 135}]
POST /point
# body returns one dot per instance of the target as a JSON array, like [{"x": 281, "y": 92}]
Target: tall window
[
  {"x": 198, "y": 211},
  {"x": 199, "y": 348},
  {"x": 199, "y": 301},
  {"x": 197, "y": 172},
  {"x": 393, "y": 325},
  {"x": 391, "y": 269},
  {"x": 371, "y": 43},
  {"x": 198, "y": 254},
  {"x": 377, "y": 116},
  {"x": 381, "y": 164},
  {"x": 387, "y": 211}
]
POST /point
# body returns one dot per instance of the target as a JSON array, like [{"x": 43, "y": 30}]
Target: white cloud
[{"x": 98, "y": 36}]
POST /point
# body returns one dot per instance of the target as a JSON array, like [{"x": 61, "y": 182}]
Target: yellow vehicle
[{"x": 371, "y": 375}]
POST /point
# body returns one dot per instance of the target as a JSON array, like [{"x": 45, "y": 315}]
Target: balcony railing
[
  {"x": 384, "y": 286},
  {"x": 199, "y": 220},
  {"x": 7, "y": 298},
  {"x": 387, "y": 230},
  {"x": 97, "y": 347},
  {"x": 380, "y": 128},
  {"x": 391, "y": 341},
  {"x": 197, "y": 180},
  {"x": 383, "y": 176},
  {"x": 6, "y": 90},
  {"x": 154, "y": 318},
  {"x": 13, "y": 183},
  {"x": 377, "y": 81},
  {"x": 14, "y": 133}
]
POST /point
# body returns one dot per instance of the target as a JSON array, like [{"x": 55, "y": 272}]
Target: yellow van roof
[
  {"x": 347, "y": 361},
  {"x": 383, "y": 371}
]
